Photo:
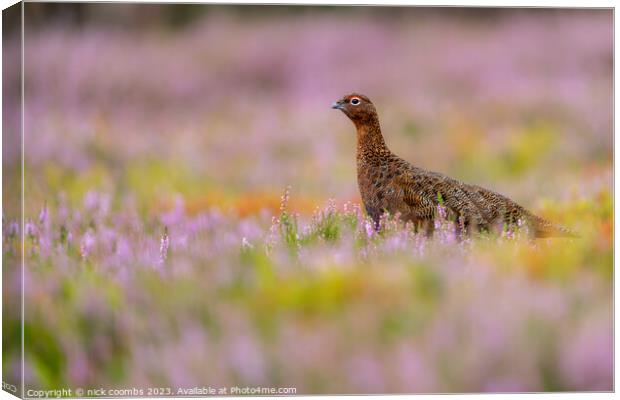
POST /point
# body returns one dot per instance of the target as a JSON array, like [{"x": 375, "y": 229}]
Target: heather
[{"x": 192, "y": 216}]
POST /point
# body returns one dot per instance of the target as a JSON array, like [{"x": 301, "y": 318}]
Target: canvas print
[{"x": 215, "y": 200}]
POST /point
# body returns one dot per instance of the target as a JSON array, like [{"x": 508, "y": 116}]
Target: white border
[{"x": 478, "y": 3}]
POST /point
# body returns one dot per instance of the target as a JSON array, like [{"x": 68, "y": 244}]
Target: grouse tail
[{"x": 545, "y": 229}]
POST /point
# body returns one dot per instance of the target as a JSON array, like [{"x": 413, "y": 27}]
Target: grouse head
[{"x": 357, "y": 107}]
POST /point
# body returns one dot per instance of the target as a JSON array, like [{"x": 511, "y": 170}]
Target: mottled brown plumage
[{"x": 390, "y": 184}]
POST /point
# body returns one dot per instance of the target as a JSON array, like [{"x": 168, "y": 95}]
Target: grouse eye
[{"x": 355, "y": 101}]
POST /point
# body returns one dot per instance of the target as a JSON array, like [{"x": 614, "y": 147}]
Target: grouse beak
[{"x": 337, "y": 105}]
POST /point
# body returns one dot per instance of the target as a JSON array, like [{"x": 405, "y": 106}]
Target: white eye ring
[{"x": 355, "y": 101}]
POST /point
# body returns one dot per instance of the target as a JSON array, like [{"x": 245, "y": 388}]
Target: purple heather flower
[
  {"x": 175, "y": 216},
  {"x": 31, "y": 230},
  {"x": 285, "y": 198},
  {"x": 13, "y": 229},
  {"x": 163, "y": 246},
  {"x": 370, "y": 228},
  {"x": 245, "y": 244},
  {"x": 43, "y": 216},
  {"x": 91, "y": 200},
  {"x": 87, "y": 243}
]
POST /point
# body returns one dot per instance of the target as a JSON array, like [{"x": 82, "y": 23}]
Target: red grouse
[{"x": 390, "y": 184}]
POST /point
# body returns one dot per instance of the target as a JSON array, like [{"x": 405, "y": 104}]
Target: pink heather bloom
[
  {"x": 91, "y": 200},
  {"x": 443, "y": 213},
  {"x": 176, "y": 215},
  {"x": 246, "y": 358},
  {"x": 87, "y": 243},
  {"x": 123, "y": 248},
  {"x": 358, "y": 212},
  {"x": 245, "y": 244},
  {"x": 369, "y": 227},
  {"x": 285, "y": 197},
  {"x": 78, "y": 367},
  {"x": 272, "y": 237},
  {"x": 414, "y": 371},
  {"x": 365, "y": 372},
  {"x": 586, "y": 357},
  {"x": 523, "y": 228},
  {"x": 31, "y": 230},
  {"x": 331, "y": 206},
  {"x": 43, "y": 216},
  {"x": 163, "y": 246},
  {"x": 13, "y": 229}
]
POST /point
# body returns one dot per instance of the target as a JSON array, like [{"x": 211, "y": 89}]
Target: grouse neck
[{"x": 369, "y": 138}]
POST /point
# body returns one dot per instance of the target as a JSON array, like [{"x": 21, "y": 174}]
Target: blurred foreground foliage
[{"x": 221, "y": 300}]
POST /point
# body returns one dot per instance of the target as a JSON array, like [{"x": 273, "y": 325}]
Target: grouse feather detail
[{"x": 390, "y": 184}]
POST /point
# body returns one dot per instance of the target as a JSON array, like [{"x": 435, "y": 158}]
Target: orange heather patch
[
  {"x": 246, "y": 205},
  {"x": 255, "y": 203},
  {"x": 535, "y": 263},
  {"x": 215, "y": 199},
  {"x": 606, "y": 234}
]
